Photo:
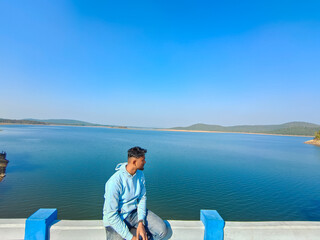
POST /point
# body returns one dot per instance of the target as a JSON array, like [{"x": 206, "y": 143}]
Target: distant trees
[
  {"x": 13, "y": 121},
  {"x": 317, "y": 135}
]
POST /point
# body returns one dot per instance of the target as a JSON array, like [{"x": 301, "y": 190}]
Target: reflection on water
[{"x": 3, "y": 165}]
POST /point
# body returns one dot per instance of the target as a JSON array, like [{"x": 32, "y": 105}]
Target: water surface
[{"x": 245, "y": 177}]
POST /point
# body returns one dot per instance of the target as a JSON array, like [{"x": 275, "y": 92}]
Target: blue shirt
[{"x": 123, "y": 194}]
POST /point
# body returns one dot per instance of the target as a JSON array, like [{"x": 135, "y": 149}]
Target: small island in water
[
  {"x": 316, "y": 140},
  {"x": 3, "y": 165}
]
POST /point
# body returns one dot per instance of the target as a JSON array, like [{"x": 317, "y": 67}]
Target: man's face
[{"x": 141, "y": 161}]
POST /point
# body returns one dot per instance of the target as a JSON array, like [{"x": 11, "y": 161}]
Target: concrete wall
[
  {"x": 94, "y": 230},
  {"x": 272, "y": 230},
  {"x": 44, "y": 225},
  {"x": 13, "y": 229}
]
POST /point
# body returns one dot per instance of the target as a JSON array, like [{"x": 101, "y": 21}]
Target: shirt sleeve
[
  {"x": 112, "y": 195},
  {"x": 142, "y": 201}
]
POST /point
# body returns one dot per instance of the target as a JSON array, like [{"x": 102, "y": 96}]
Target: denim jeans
[{"x": 155, "y": 227}]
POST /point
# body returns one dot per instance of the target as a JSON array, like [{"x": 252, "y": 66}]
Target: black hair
[{"x": 136, "y": 152}]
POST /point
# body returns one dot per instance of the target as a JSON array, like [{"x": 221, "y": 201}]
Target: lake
[{"x": 245, "y": 177}]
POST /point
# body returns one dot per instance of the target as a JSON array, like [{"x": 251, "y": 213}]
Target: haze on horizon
[{"x": 160, "y": 63}]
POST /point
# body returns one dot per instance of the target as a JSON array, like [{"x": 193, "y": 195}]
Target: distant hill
[
  {"x": 291, "y": 128},
  {"x": 48, "y": 122},
  {"x": 14, "y": 121},
  {"x": 64, "y": 122}
]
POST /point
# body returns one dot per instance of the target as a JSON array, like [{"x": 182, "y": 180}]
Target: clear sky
[{"x": 159, "y": 63}]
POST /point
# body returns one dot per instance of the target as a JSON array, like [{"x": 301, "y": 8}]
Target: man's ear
[{"x": 134, "y": 161}]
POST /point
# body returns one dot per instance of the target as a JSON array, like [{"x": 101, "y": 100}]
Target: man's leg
[
  {"x": 155, "y": 226},
  {"x": 112, "y": 234}
]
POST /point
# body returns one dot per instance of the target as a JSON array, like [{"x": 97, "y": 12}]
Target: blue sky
[{"x": 161, "y": 63}]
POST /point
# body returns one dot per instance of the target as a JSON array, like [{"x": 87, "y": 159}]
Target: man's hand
[{"x": 141, "y": 232}]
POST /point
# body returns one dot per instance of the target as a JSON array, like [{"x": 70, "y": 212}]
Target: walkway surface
[{"x": 13, "y": 229}]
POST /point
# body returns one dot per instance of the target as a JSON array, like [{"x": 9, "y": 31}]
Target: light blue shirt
[{"x": 123, "y": 194}]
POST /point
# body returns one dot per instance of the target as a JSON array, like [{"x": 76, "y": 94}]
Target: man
[{"x": 125, "y": 202}]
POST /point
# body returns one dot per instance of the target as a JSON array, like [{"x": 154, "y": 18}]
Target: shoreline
[
  {"x": 272, "y": 134},
  {"x": 163, "y": 129},
  {"x": 315, "y": 142}
]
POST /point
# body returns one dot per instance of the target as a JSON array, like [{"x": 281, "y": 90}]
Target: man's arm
[
  {"x": 142, "y": 208},
  {"x": 142, "y": 202},
  {"x": 112, "y": 195}
]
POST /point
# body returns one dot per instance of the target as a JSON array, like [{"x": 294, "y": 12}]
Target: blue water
[{"x": 245, "y": 177}]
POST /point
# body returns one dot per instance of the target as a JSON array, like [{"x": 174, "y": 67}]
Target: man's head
[{"x": 136, "y": 156}]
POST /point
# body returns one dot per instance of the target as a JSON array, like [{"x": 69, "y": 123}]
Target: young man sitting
[{"x": 125, "y": 202}]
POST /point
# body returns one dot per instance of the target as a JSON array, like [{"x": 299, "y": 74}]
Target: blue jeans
[{"x": 155, "y": 227}]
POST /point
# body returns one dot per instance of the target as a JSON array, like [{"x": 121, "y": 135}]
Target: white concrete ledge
[
  {"x": 13, "y": 229},
  {"x": 94, "y": 230},
  {"x": 305, "y": 230}
]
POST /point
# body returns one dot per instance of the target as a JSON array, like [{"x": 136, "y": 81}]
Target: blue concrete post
[
  {"x": 213, "y": 224},
  {"x": 38, "y": 224}
]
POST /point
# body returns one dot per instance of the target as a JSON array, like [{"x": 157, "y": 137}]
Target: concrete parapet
[
  {"x": 12, "y": 228},
  {"x": 305, "y": 230},
  {"x": 38, "y": 227},
  {"x": 182, "y": 230},
  {"x": 94, "y": 230}
]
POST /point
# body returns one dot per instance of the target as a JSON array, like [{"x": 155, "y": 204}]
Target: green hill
[
  {"x": 64, "y": 122},
  {"x": 14, "y": 121},
  {"x": 291, "y": 128},
  {"x": 48, "y": 122}
]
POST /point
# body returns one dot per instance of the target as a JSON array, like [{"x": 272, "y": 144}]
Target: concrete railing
[{"x": 43, "y": 225}]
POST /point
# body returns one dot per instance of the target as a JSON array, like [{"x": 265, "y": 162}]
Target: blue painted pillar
[
  {"x": 213, "y": 224},
  {"x": 38, "y": 224}
]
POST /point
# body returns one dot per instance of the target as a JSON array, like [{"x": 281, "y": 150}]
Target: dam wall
[{"x": 211, "y": 227}]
